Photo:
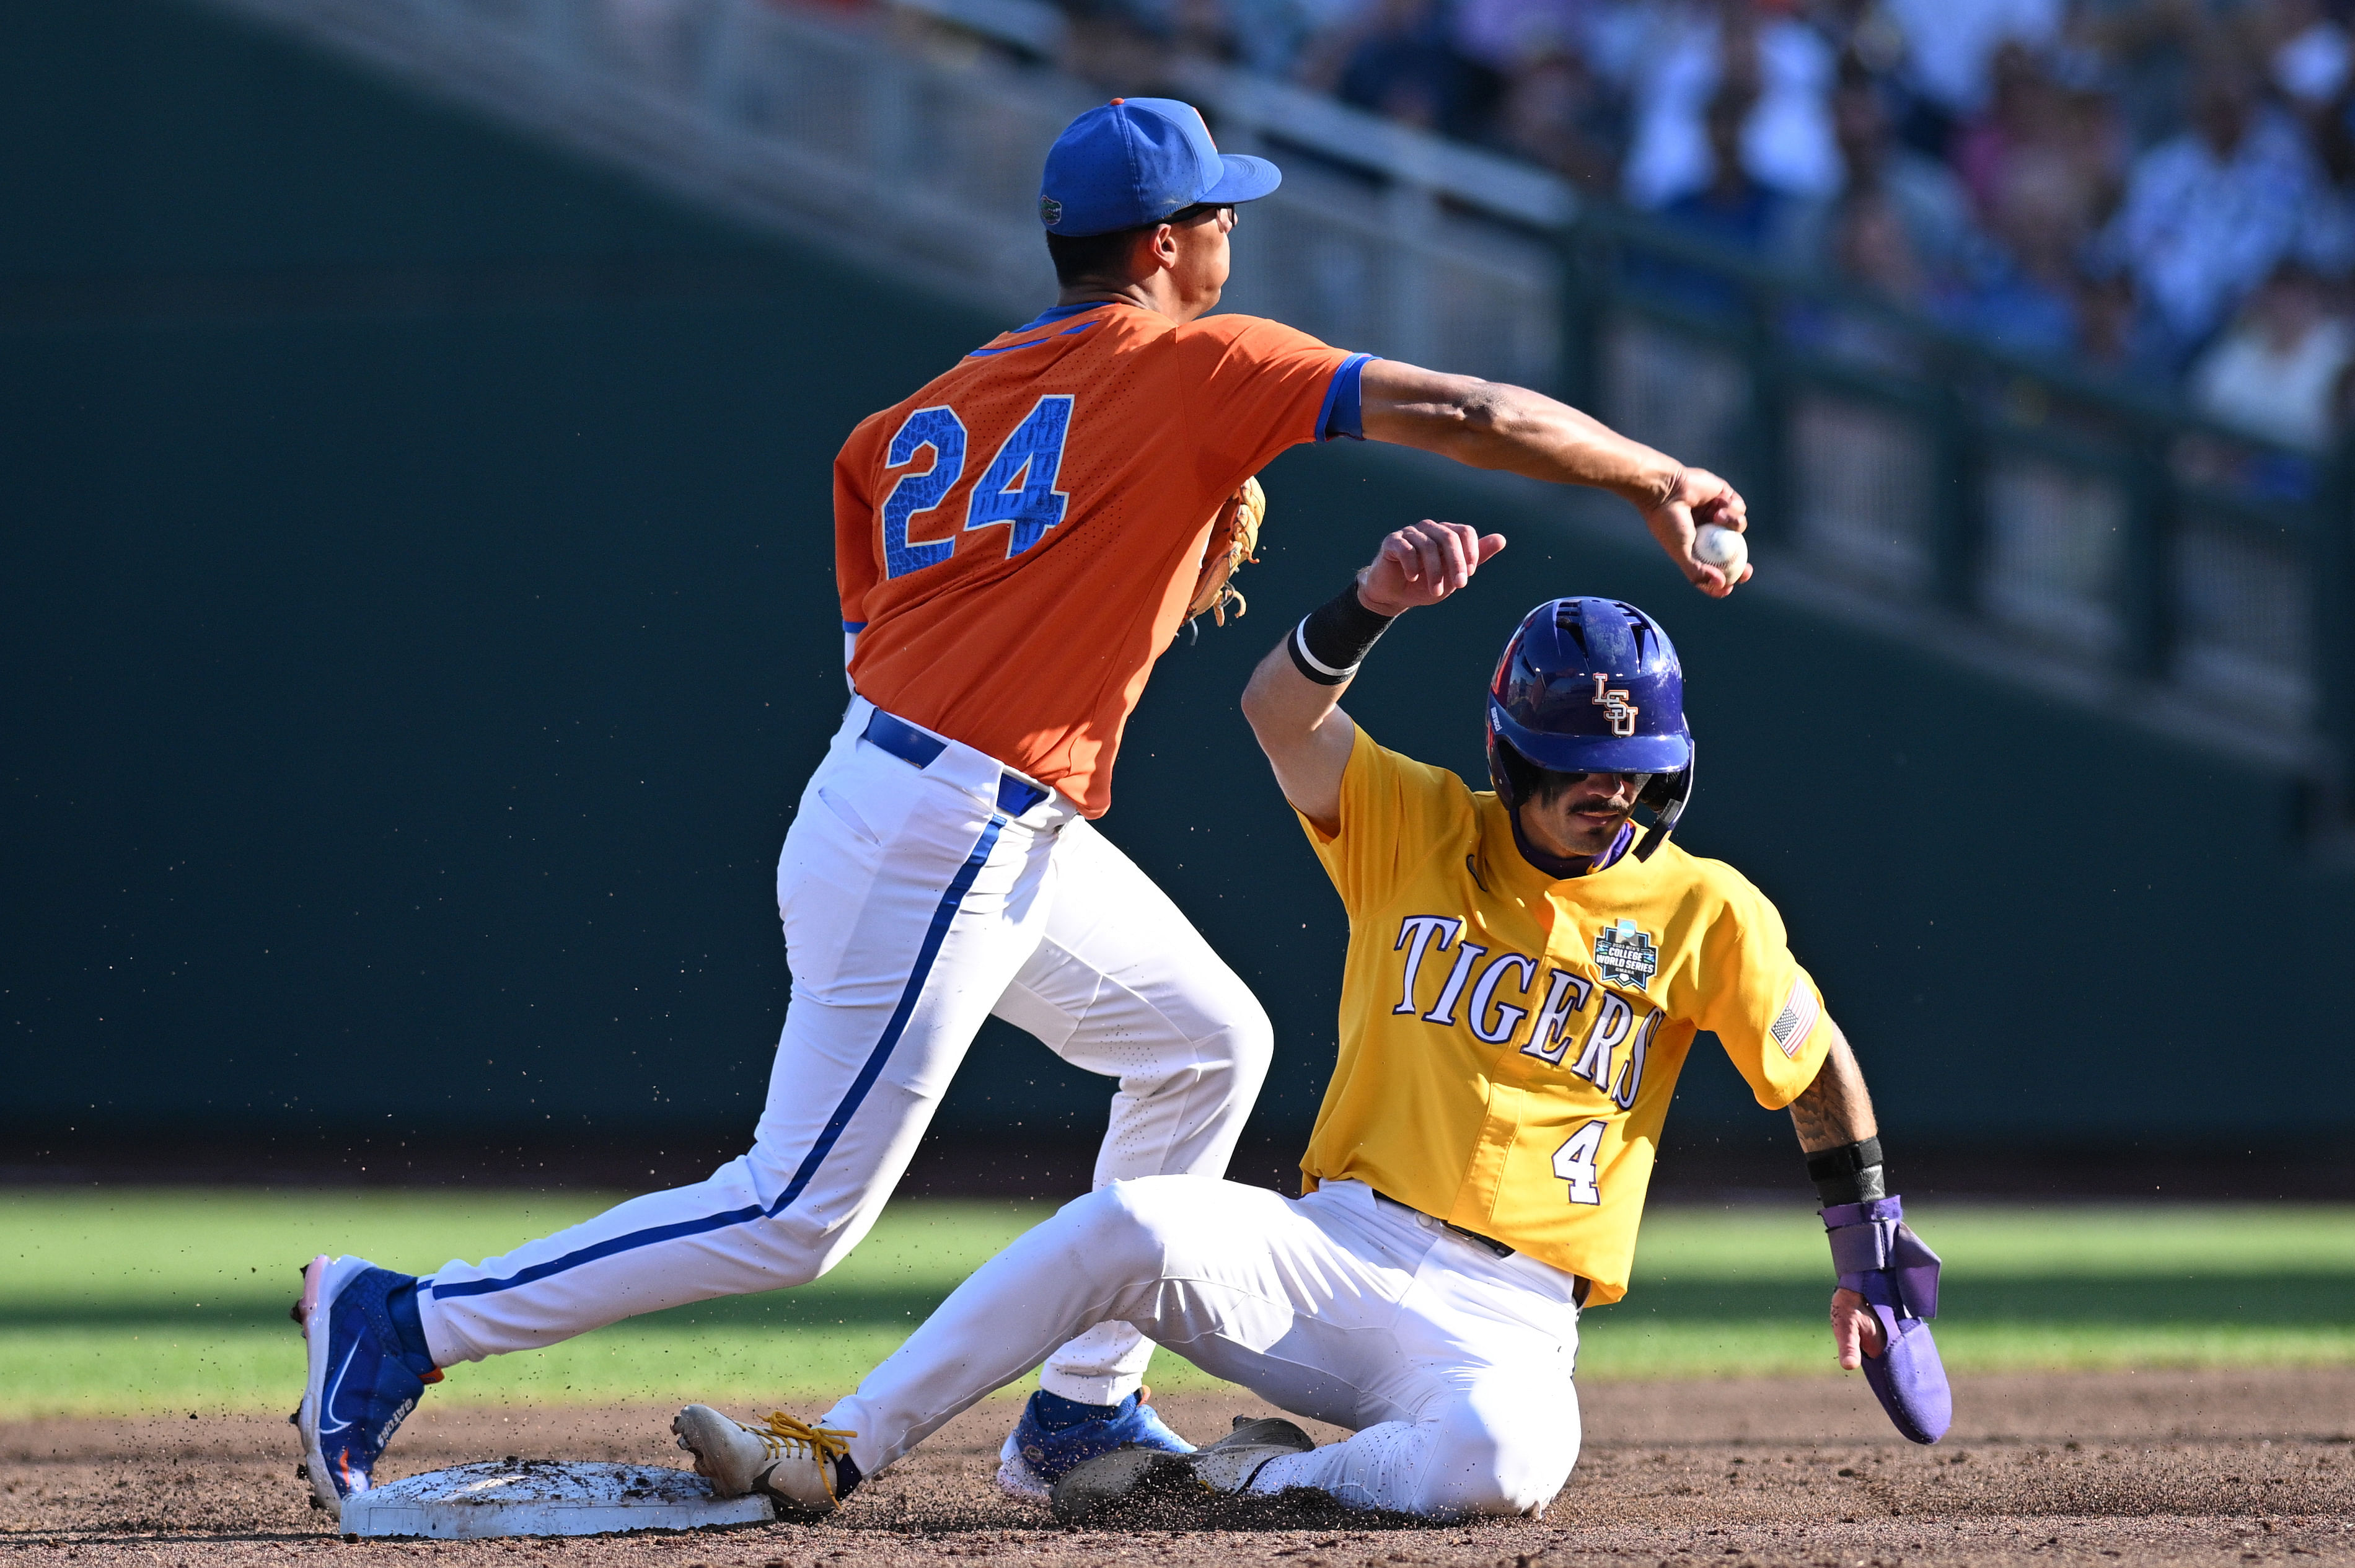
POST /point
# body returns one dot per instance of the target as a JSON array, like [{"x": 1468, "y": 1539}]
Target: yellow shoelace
[{"x": 783, "y": 1434}]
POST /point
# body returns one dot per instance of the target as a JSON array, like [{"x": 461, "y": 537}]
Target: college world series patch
[{"x": 1625, "y": 956}]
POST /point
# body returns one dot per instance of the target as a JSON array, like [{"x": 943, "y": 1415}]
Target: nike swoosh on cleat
[{"x": 327, "y": 1397}]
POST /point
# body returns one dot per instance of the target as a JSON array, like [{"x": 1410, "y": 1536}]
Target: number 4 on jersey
[
  {"x": 1575, "y": 1163},
  {"x": 1019, "y": 485}
]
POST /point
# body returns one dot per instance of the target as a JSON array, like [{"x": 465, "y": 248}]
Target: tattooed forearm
[{"x": 1835, "y": 1108}]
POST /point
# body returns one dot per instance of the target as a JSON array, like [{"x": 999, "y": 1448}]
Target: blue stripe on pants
[{"x": 934, "y": 934}]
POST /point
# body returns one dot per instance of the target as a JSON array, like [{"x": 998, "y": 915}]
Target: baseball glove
[{"x": 1235, "y": 538}]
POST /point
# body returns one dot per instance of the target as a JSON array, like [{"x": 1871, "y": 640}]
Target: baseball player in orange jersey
[
  {"x": 1528, "y": 967},
  {"x": 1015, "y": 545}
]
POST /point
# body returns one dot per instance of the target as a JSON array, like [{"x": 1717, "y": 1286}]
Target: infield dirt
[{"x": 2158, "y": 1466}]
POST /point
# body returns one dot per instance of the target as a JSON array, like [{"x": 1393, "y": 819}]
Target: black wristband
[
  {"x": 1333, "y": 639},
  {"x": 1852, "y": 1173}
]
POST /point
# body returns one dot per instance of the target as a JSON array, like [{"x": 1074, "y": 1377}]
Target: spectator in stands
[
  {"x": 2022, "y": 117},
  {"x": 1559, "y": 113},
  {"x": 2146, "y": 53},
  {"x": 2282, "y": 372},
  {"x": 1200, "y": 30},
  {"x": 1507, "y": 36},
  {"x": 1266, "y": 36},
  {"x": 2069, "y": 144},
  {"x": 1614, "y": 37},
  {"x": 1863, "y": 36},
  {"x": 2027, "y": 296},
  {"x": 2307, "y": 52},
  {"x": 1732, "y": 211},
  {"x": 1734, "y": 208},
  {"x": 1142, "y": 46},
  {"x": 2209, "y": 212},
  {"x": 1780, "y": 131},
  {"x": 1888, "y": 235},
  {"x": 1950, "y": 48},
  {"x": 1125, "y": 45},
  {"x": 1888, "y": 183},
  {"x": 1871, "y": 247},
  {"x": 2095, "y": 147},
  {"x": 1783, "y": 66},
  {"x": 2114, "y": 335},
  {"x": 1401, "y": 60}
]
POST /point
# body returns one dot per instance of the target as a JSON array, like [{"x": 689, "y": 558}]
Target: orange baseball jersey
[{"x": 1015, "y": 543}]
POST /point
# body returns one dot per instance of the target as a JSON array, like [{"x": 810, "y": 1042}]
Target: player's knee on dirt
[{"x": 1499, "y": 1448}]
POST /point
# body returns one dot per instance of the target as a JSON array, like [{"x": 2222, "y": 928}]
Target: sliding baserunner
[
  {"x": 1526, "y": 969},
  {"x": 1015, "y": 545}
]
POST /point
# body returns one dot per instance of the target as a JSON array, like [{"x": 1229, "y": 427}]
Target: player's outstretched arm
[
  {"x": 1493, "y": 424},
  {"x": 1888, "y": 1276},
  {"x": 1294, "y": 698},
  {"x": 1833, "y": 1111}
]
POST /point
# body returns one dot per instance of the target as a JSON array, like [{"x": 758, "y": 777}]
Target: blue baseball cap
[{"x": 1137, "y": 160}]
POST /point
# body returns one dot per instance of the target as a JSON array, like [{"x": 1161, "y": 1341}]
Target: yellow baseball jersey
[{"x": 1509, "y": 1042}]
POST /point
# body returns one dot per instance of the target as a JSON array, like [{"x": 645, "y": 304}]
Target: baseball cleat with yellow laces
[{"x": 805, "y": 1470}]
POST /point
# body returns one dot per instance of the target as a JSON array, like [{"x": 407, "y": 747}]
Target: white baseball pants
[
  {"x": 1453, "y": 1364},
  {"x": 917, "y": 901}
]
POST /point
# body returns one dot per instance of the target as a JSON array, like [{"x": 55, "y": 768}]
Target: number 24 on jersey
[{"x": 1017, "y": 488}]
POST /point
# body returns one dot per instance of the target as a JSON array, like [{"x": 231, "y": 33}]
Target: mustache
[{"x": 1602, "y": 803}]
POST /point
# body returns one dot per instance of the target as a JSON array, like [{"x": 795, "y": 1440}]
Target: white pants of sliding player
[
  {"x": 1453, "y": 1364},
  {"x": 916, "y": 906}
]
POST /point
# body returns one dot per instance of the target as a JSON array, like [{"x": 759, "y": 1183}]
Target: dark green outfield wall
[{"x": 418, "y": 623}]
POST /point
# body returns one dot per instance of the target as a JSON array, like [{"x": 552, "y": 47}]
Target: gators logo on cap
[{"x": 1051, "y": 211}]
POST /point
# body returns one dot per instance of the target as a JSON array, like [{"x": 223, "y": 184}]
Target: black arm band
[
  {"x": 1333, "y": 639},
  {"x": 1849, "y": 1174}
]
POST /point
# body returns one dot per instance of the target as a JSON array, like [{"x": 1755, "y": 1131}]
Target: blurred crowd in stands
[{"x": 2159, "y": 190}]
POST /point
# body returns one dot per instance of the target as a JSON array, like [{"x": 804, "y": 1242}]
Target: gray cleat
[{"x": 1176, "y": 1483}]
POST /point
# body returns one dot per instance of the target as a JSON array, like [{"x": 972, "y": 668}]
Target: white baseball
[{"x": 1723, "y": 548}]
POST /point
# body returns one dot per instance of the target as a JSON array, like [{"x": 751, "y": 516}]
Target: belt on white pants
[
  {"x": 920, "y": 749},
  {"x": 1488, "y": 1244}
]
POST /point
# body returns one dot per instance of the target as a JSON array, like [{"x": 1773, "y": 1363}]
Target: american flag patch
[{"x": 1798, "y": 1019}]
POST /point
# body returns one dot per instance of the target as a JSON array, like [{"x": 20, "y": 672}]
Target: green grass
[
  {"x": 1744, "y": 1290},
  {"x": 140, "y": 1300},
  {"x": 128, "y": 1300}
]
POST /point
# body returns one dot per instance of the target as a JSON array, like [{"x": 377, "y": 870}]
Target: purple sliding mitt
[{"x": 1887, "y": 1264}]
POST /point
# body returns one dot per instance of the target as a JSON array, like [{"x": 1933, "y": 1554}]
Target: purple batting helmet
[{"x": 1592, "y": 685}]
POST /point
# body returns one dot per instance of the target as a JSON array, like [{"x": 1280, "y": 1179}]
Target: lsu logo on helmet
[{"x": 1616, "y": 708}]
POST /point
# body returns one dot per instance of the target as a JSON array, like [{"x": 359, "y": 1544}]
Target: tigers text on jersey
[
  {"x": 1509, "y": 1042},
  {"x": 1015, "y": 543}
]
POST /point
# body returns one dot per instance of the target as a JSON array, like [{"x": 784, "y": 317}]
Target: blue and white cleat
[
  {"x": 1034, "y": 1458},
  {"x": 367, "y": 1366}
]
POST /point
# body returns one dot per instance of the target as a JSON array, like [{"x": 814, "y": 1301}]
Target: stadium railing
[
  {"x": 2088, "y": 538},
  {"x": 2100, "y": 533}
]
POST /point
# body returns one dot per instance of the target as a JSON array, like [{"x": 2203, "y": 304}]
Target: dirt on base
[{"x": 2112, "y": 1468}]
